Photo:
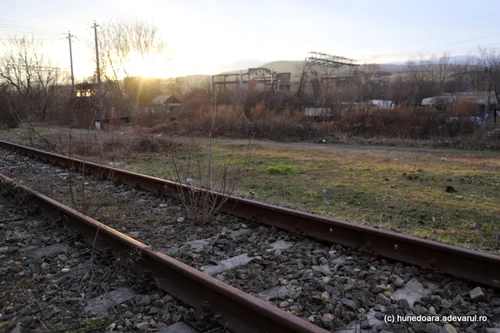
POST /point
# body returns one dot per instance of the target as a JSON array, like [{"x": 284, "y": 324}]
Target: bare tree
[
  {"x": 489, "y": 61},
  {"x": 422, "y": 75},
  {"x": 120, "y": 40},
  {"x": 365, "y": 80},
  {"x": 6, "y": 116},
  {"x": 30, "y": 80},
  {"x": 121, "y": 44},
  {"x": 463, "y": 76},
  {"x": 31, "y": 77},
  {"x": 401, "y": 91}
]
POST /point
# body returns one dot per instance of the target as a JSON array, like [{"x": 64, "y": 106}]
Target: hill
[{"x": 392, "y": 70}]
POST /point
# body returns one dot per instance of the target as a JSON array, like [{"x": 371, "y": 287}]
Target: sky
[{"x": 204, "y": 36}]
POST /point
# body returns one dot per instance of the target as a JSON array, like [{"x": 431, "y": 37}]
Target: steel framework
[
  {"x": 261, "y": 75},
  {"x": 328, "y": 64},
  {"x": 328, "y": 60}
]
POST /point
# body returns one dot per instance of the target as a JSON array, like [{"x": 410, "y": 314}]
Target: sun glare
[{"x": 153, "y": 67}]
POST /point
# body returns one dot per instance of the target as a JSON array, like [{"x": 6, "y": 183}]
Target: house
[
  {"x": 480, "y": 98},
  {"x": 284, "y": 81},
  {"x": 318, "y": 112},
  {"x": 437, "y": 101},
  {"x": 381, "y": 104},
  {"x": 164, "y": 104},
  {"x": 486, "y": 104}
]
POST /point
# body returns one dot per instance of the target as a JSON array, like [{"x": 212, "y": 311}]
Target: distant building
[
  {"x": 486, "y": 104},
  {"x": 164, "y": 103},
  {"x": 253, "y": 79},
  {"x": 478, "y": 97},
  {"x": 381, "y": 104},
  {"x": 318, "y": 113},
  {"x": 283, "y": 81}
]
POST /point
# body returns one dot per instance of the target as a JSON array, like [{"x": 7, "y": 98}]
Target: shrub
[
  {"x": 267, "y": 115},
  {"x": 197, "y": 176}
]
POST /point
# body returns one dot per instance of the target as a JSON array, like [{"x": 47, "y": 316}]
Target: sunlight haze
[{"x": 203, "y": 37}]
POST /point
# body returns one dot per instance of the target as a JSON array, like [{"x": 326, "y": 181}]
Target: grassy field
[
  {"x": 449, "y": 196},
  {"x": 452, "y": 197}
]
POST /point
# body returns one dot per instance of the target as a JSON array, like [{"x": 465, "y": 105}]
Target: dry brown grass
[
  {"x": 111, "y": 146},
  {"x": 402, "y": 126},
  {"x": 199, "y": 121},
  {"x": 259, "y": 121},
  {"x": 405, "y": 123}
]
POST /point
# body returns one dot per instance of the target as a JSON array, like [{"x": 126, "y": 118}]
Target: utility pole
[
  {"x": 102, "y": 114},
  {"x": 71, "y": 62},
  {"x": 73, "y": 90}
]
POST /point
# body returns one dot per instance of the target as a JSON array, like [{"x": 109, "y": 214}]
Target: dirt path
[{"x": 329, "y": 147}]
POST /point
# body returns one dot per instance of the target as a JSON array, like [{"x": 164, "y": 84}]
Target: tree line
[{"x": 34, "y": 88}]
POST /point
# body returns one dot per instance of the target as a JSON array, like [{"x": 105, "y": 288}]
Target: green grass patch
[
  {"x": 281, "y": 170},
  {"x": 92, "y": 325}
]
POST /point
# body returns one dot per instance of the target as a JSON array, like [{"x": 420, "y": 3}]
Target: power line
[
  {"x": 47, "y": 26},
  {"x": 38, "y": 22},
  {"x": 11, "y": 39},
  {"x": 48, "y": 68},
  {"x": 436, "y": 48},
  {"x": 460, "y": 29},
  {"x": 466, "y": 40},
  {"x": 474, "y": 48},
  {"x": 9, "y": 34},
  {"x": 454, "y": 25},
  {"x": 29, "y": 26},
  {"x": 458, "y": 25},
  {"x": 37, "y": 27},
  {"x": 33, "y": 30}
]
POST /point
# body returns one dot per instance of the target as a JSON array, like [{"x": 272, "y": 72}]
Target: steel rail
[
  {"x": 238, "y": 311},
  {"x": 436, "y": 258}
]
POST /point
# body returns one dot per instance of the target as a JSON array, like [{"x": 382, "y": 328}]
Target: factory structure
[
  {"x": 317, "y": 74},
  {"x": 254, "y": 79}
]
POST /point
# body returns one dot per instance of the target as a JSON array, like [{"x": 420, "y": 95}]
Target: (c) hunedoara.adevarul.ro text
[{"x": 433, "y": 318}]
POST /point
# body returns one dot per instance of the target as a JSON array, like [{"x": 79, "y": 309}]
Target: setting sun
[
  {"x": 149, "y": 66},
  {"x": 166, "y": 67}
]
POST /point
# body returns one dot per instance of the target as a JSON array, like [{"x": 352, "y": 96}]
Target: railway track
[
  {"x": 240, "y": 312},
  {"x": 437, "y": 257},
  {"x": 330, "y": 275},
  {"x": 51, "y": 281}
]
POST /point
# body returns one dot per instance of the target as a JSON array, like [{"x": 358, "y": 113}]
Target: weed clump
[{"x": 282, "y": 170}]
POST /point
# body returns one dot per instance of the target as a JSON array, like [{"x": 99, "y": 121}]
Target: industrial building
[{"x": 317, "y": 74}]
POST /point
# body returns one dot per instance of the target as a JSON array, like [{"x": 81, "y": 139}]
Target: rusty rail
[
  {"x": 239, "y": 311},
  {"x": 435, "y": 257}
]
